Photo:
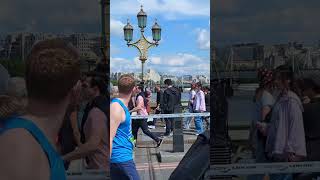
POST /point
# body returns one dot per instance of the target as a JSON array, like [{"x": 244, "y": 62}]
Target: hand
[
  {"x": 76, "y": 92},
  {"x": 137, "y": 108},
  {"x": 262, "y": 127}
]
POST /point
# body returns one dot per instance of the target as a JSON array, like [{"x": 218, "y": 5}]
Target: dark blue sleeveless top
[{"x": 57, "y": 171}]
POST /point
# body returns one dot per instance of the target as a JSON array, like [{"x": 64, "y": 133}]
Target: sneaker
[
  {"x": 159, "y": 142},
  {"x": 168, "y": 134},
  {"x": 151, "y": 127}
]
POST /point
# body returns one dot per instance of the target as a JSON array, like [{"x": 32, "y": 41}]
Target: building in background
[{"x": 152, "y": 76}]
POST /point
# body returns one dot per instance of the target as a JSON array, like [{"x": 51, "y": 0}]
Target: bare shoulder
[
  {"x": 96, "y": 112},
  {"x": 116, "y": 108},
  {"x": 22, "y": 157},
  {"x": 116, "y": 112}
]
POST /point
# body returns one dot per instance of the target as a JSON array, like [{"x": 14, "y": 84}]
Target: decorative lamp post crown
[
  {"x": 156, "y": 32},
  {"x": 128, "y": 32},
  {"x": 142, "y": 19},
  {"x": 142, "y": 44}
]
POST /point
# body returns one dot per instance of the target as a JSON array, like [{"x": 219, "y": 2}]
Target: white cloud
[
  {"x": 116, "y": 27},
  {"x": 179, "y": 64},
  {"x": 155, "y": 60},
  {"x": 168, "y": 8},
  {"x": 122, "y": 65},
  {"x": 114, "y": 50},
  {"x": 203, "y": 39}
]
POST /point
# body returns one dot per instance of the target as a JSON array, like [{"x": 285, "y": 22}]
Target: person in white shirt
[
  {"x": 192, "y": 95},
  {"x": 199, "y": 106}
]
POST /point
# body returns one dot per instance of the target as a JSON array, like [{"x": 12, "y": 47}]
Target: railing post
[{"x": 178, "y": 142}]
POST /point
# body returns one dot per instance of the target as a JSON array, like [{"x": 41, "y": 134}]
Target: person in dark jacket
[
  {"x": 206, "y": 91},
  {"x": 171, "y": 104},
  {"x": 311, "y": 114}
]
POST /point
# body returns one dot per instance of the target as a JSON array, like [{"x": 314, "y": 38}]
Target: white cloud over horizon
[{"x": 178, "y": 64}]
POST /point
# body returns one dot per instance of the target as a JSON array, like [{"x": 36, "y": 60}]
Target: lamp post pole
[{"x": 142, "y": 44}]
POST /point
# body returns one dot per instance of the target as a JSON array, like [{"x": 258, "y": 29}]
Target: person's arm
[
  {"x": 92, "y": 143},
  {"x": 75, "y": 128},
  {"x": 116, "y": 117},
  {"x": 265, "y": 111},
  {"x": 140, "y": 103},
  {"x": 164, "y": 101},
  {"x": 202, "y": 103},
  {"x": 296, "y": 145},
  {"x": 267, "y": 102},
  {"x": 135, "y": 109}
]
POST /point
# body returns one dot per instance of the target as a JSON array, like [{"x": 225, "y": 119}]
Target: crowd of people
[
  {"x": 286, "y": 127},
  {"x": 199, "y": 102},
  {"x": 40, "y": 115},
  {"x": 56, "y": 115}
]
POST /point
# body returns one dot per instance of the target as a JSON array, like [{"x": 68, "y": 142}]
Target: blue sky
[{"x": 184, "y": 48}]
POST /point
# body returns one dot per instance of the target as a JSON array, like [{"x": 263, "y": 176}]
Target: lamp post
[{"x": 142, "y": 44}]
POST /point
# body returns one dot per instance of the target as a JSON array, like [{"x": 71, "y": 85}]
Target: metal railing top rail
[
  {"x": 263, "y": 168},
  {"x": 176, "y": 115}
]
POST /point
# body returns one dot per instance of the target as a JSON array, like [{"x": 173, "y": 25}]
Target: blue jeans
[
  {"x": 199, "y": 124},
  {"x": 124, "y": 171}
]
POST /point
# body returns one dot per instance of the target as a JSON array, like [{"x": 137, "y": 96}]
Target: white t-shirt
[{"x": 192, "y": 94}]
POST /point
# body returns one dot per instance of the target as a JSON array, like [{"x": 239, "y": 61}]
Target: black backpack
[{"x": 99, "y": 102}]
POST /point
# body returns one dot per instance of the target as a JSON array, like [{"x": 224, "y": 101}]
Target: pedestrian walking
[
  {"x": 171, "y": 104},
  {"x": 199, "y": 106},
  {"x": 122, "y": 166},
  {"x": 285, "y": 132},
  {"x": 192, "y": 94},
  {"x": 141, "y": 101},
  {"x": 94, "y": 129}
]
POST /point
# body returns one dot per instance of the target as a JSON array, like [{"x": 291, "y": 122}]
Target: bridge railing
[
  {"x": 263, "y": 168},
  {"x": 176, "y": 115},
  {"x": 81, "y": 173}
]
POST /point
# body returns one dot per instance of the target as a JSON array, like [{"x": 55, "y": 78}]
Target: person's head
[
  {"x": 206, "y": 90},
  {"x": 140, "y": 89},
  {"x": 52, "y": 70},
  {"x": 148, "y": 94},
  {"x": 283, "y": 77},
  {"x": 168, "y": 82},
  {"x": 94, "y": 86},
  {"x": 199, "y": 86},
  {"x": 17, "y": 89},
  {"x": 310, "y": 87},
  {"x": 193, "y": 86},
  {"x": 126, "y": 85},
  {"x": 158, "y": 88},
  {"x": 265, "y": 77}
]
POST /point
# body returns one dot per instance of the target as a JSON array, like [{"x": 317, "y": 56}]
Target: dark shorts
[{"x": 124, "y": 171}]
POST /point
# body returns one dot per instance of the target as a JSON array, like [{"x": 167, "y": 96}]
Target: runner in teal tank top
[
  {"x": 57, "y": 171},
  {"x": 122, "y": 166},
  {"x": 123, "y": 142}
]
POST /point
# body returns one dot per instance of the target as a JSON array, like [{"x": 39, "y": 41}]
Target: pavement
[{"x": 147, "y": 157}]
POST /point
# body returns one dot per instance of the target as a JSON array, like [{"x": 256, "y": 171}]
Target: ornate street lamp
[{"x": 142, "y": 44}]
